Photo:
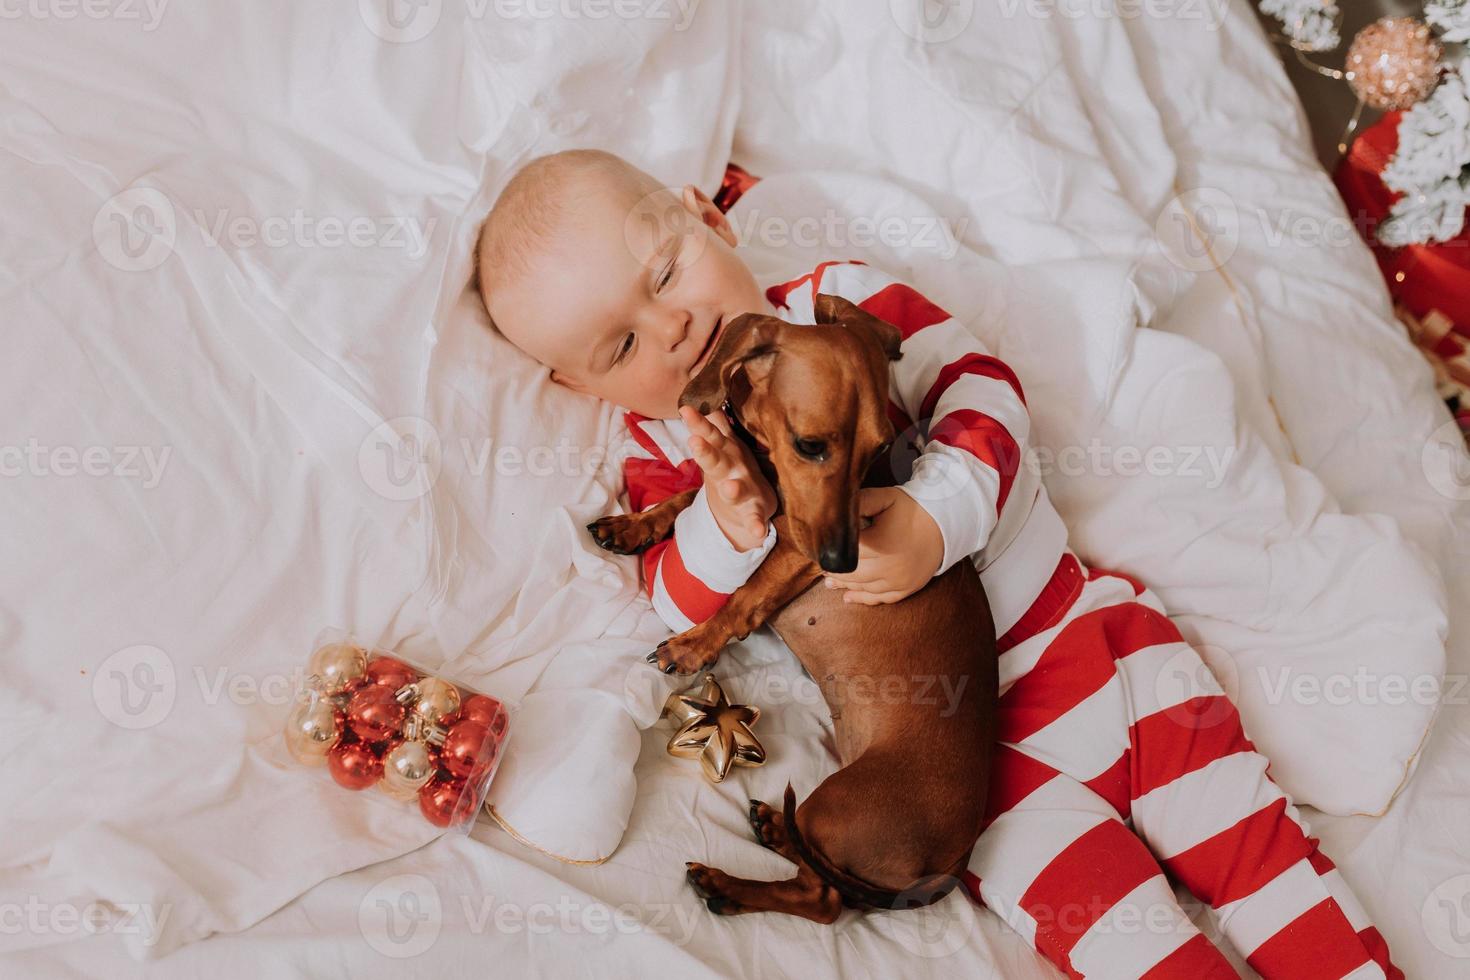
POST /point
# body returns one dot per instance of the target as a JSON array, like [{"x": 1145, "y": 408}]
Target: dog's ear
[
  {"x": 749, "y": 338},
  {"x": 835, "y": 309}
]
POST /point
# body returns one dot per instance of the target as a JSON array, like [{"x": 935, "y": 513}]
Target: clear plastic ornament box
[{"x": 382, "y": 725}]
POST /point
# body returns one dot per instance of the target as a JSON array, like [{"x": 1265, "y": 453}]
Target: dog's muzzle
[{"x": 840, "y": 554}]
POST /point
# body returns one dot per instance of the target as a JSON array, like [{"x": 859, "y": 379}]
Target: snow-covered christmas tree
[
  {"x": 1310, "y": 24},
  {"x": 1431, "y": 167},
  {"x": 1432, "y": 164},
  {"x": 1452, "y": 17}
]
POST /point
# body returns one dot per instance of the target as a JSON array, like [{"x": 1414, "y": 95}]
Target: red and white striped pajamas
[{"x": 1107, "y": 717}]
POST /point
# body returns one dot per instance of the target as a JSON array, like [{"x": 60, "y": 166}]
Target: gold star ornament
[{"x": 714, "y": 731}]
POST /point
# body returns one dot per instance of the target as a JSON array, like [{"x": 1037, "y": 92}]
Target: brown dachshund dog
[{"x": 894, "y": 827}]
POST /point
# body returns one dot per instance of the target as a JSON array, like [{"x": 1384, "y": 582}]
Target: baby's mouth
[{"x": 709, "y": 346}]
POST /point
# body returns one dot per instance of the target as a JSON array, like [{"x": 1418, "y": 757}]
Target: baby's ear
[
  {"x": 697, "y": 203},
  {"x": 558, "y": 378}
]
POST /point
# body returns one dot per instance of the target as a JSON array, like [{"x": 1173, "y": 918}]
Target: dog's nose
[{"x": 839, "y": 555}]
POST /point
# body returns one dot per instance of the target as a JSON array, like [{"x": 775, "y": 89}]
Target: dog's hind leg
[
  {"x": 769, "y": 825},
  {"x": 805, "y": 895}
]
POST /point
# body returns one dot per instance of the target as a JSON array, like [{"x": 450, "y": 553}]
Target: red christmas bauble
[
  {"x": 354, "y": 765},
  {"x": 390, "y": 673},
  {"x": 468, "y": 749},
  {"x": 373, "y": 715},
  {"x": 445, "y": 801},
  {"x": 1424, "y": 278},
  {"x": 478, "y": 707}
]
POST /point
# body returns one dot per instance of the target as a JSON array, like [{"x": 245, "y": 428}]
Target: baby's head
[{"x": 614, "y": 282}]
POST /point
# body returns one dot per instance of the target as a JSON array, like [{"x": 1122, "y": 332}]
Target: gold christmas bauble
[
  {"x": 1394, "y": 62},
  {"x": 437, "y": 701},
  {"x": 311, "y": 729},
  {"x": 337, "y": 667},
  {"x": 406, "y": 767}
]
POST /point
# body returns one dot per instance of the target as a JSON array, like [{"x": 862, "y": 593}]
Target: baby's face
[{"x": 624, "y": 301}]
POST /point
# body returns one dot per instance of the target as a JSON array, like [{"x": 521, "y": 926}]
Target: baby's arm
[
  {"x": 691, "y": 574},
  {"x": 967, "y": 406}
]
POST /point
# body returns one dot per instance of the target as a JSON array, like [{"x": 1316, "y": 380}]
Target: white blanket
[{"x": 315, "y": 177}]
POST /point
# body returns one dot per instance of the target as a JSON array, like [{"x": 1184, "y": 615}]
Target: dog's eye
[{"x": 811, "y": 448}]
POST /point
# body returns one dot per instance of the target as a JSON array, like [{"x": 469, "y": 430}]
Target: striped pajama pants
[{"x": 1107, "y": 717}]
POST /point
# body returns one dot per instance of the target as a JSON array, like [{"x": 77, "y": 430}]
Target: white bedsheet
[{"x": 265, "y": 369}]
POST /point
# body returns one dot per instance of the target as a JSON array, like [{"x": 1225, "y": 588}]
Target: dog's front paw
[
  {"x": 622, "y": 534},
  {"x": 686, "y": 653}
]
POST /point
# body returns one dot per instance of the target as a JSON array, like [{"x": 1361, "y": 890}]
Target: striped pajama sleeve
[{"x": 692, "y": 573}]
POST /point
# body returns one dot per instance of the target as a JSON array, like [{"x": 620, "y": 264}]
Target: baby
[{"x": 621, "y": 287}]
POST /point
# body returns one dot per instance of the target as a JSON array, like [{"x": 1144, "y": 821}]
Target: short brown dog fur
[{"x": 894, "y": 827}]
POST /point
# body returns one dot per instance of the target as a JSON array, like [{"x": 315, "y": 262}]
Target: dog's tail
[{"x": 854, "y": 891}]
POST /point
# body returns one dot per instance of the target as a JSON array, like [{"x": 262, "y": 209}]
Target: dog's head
[{"x": 816, "y": 398}]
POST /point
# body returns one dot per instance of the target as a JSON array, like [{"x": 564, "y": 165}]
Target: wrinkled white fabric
[{"x": 336, "y": 440}]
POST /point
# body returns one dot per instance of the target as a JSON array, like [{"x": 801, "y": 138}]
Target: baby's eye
[
  {"x": 626, "y": 346},
  {"x": 667, "y": 274}
]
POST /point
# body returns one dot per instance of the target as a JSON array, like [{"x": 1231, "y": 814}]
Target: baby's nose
[{"x": 676, "y": 329}]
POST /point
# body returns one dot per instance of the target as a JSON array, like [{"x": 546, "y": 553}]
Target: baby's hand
[
  {"x": 739, "y": 496},
  {"x": 897, "y": 555}
]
